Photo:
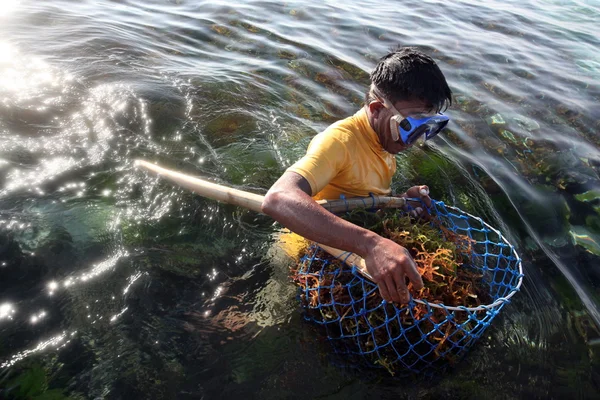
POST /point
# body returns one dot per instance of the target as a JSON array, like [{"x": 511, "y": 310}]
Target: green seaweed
[{"x": 30, "y": 384}]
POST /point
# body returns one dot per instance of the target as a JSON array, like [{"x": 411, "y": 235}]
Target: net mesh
[{"x": 419, "y": 336}]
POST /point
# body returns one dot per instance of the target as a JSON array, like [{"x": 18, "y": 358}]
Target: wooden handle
[
  {"x": 253, "y": 202},
  {"x": 349, "y": 258},
  {"x": 339, "y": 206},
  {"x": 204, "y": 188}
]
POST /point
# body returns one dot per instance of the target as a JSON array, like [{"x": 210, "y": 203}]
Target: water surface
[{"x": 116, "y": 285}]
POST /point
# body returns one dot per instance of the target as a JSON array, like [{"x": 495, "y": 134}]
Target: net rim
[
  {"x": 501, "y": 300},
  {"x": 484, "y": 307}
]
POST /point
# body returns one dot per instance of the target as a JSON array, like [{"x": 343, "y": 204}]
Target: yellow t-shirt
[{"x": 347, "y": 159}]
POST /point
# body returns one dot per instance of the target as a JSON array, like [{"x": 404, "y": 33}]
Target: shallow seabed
[{"x": 116, "y": 285}]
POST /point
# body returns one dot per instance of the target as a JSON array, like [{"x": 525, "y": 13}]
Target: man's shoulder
[{"x": 344, "y": 130}]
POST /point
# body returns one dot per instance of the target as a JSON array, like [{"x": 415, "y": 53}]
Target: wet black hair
[{"x": 408, "y": 74}]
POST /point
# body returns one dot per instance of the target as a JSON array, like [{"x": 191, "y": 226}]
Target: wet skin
[
  {"x": 289, "y": 202},
  {"x": 379, "y": 118}
]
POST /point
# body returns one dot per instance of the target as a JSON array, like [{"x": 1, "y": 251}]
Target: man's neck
[{"x": 370, "y": 118}]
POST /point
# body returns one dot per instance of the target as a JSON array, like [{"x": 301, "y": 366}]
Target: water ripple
[{"x": 170, "y": 293}]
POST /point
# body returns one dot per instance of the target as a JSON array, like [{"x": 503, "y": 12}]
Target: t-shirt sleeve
[{"x": 325, "y": 158}]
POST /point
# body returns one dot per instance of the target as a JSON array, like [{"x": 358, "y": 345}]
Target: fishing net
[{"x": 470, "y": 272}]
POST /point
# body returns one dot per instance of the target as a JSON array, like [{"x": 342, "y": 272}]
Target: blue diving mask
[{"x": 410, "y": 129}]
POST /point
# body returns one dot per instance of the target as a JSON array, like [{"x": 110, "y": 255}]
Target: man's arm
[{"x": 289, "y": 202}]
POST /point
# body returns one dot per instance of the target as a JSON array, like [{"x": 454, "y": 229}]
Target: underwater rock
[
  {"x": 584, "y": 238},
  {"x": 549, "y": 219},
  {"x": 300, "y": 66},
  {"x": 585, "y": 326},
  {"x": 10, "y": 251},
  {"x": 462, "y": 101},
  {"x": 354, "y": 72},
  {"x": 556, "y": 242},
  {"x": 227, "y": 128},
  {"x": 571, "y": 180},
  {"x": 493, "y": 144},
  {"x": 525, "y": 122},
  {"x": 19, "y": 269},
  {"x": 589, "y": 196},
  {"x": 523, "y": 73},
  {"x": 251, "y": 28},
  {"x": 221, "y": 30},
  {"x": 286, "y": 54},
  {"x": 566, "y": 171},
  {"x": 531, "y": 244},
  {"x": 593, "y": 222},
  {"x": 495, "y": 119},
  {"x": 509, "y": 135}
]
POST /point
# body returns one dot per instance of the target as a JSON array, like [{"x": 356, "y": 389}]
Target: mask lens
[
  {"x": 414, "y": 135},
  {"x": 405, "y": 124},
  {"x": 429, "y": 128},
  {"x": 435, "y": 129}
]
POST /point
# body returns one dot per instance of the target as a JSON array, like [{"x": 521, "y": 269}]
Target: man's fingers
[
  {"x": 391, "y": 269},
  {"x": 410, "y": 270},
  {"x": 400, "y": 285},
  {"x": 424, "y": 194},
  {"x": 414, "y": 205},
  {"x": 402, "y": 290},
  {"x": 413, "y": 273},
  {"x": 419, "y": 192},
  {"x": 383, "y": 291},
  {"x": 387, "y": 289},
  {"x": 393, "y": 290},
  {"x": 426, "y": 200},
  {"x": 413, "y": 191}
]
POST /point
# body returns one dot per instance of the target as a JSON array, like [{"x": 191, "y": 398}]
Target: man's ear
[{"x": 375, "y": 107}]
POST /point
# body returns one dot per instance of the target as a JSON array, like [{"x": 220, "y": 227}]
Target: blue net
[{"x": 421, "y": 335}]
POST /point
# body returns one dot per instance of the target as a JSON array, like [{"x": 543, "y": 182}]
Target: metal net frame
[{"x": 420, "y": 336}]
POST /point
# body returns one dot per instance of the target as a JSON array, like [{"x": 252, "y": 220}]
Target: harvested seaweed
[{"x": 397, "y": 336}]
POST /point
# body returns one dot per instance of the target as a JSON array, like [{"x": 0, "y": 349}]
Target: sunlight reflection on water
[{"x": 233, "y": 93}]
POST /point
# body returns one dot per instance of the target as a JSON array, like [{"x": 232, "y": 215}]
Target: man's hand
[
  {"x": 289, "y": 202},
  {"x": 390, "y": 264},
  {"x": 418, "y": 192}
]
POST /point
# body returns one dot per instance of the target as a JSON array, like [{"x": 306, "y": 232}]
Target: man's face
[{"x": 380, "y": 121}]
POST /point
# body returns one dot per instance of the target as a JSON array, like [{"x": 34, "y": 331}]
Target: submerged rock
[
  {"x": 286, "y": 54},
  {"x": 584, "y": 238},
  {"x": 509, "y": 135},
  {"x": 525, "y": 122},
  {"x": 593, "y": 222},
  {"x": 589, "y": 196},
  {"x": 496, "y": 119},
  {"x": 531, "y": 244},
  {"x": 221, "y": 30}
]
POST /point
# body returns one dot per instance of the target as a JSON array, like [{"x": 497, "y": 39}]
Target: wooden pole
[{"x": 254, "y": 202}]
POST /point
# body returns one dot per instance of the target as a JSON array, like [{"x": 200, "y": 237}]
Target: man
[{"x": 356, "y": 156}]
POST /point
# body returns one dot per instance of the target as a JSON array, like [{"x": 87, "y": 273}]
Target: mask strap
[
  {"x": 394, "y": 129},
  {"x": 393, "y": 125}
]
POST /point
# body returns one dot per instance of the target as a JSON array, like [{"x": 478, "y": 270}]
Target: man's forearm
[
  {"x": 289, "y": 202},
  {"x": 298, "y": 212}
]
